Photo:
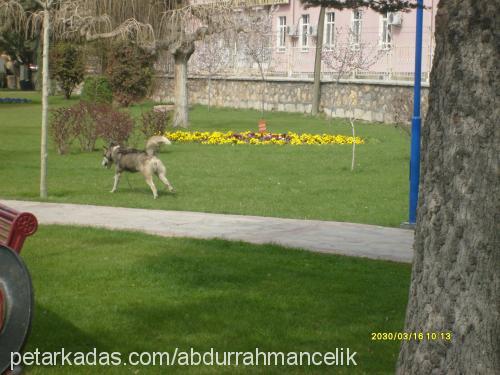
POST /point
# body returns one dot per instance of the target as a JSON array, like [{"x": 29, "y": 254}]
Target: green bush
[
  {"x": 96, "y": 89},
  {"x": 67, "y": 66},
  {"x": 130, "y": 72}
]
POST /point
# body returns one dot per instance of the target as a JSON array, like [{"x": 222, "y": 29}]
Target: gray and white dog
[{"x": 132, "y": 160}]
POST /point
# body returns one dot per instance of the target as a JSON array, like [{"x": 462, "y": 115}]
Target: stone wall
[{"x": 367, "y": 100}]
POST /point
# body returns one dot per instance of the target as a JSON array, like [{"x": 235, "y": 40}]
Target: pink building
[{"x": 390, "y": 36}]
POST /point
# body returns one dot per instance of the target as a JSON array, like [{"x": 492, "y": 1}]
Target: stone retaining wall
[{"x": 367, "y": 100}]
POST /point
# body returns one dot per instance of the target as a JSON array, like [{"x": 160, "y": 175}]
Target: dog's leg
[
  {"x": 161, "y": 173},
  {"x": 117, "y": 180},
  {"x": 163, "y": 179},
  {"x": 149, "y": 181}
]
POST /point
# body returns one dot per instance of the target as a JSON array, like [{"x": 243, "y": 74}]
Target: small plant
[
  {"x": 130, "y": 73},
  {"x": 67, "y": 66},
  {"x": 402, "y": 107},
  {"x": 154, "y": 122},
  {"x": 112, "y": 126},
  {"x": 345, "y": 60},
  {"x": 62, "y": 128},
  {"x": 85, "y": 128},
  {"x": 88, "y": 122},
  {"x": 75, "y": 122},
  {"x": 96, "y": 89}
]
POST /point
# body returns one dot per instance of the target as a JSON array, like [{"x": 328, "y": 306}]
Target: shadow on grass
[
  {"x": 122, "y": 292},
  {"x": 50, "y": 333}
]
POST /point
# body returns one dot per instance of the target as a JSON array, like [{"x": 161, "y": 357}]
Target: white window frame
[
  {"x": 329, "y": 38},
  {"x": 304, "y": 31},
  {"x": 356, "y": 28},
  {"x": 282, "y": 31},
  {"x": 385, "y": 32}
]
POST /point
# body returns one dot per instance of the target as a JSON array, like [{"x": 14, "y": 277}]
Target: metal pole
[{"x": 416, "y": 120}]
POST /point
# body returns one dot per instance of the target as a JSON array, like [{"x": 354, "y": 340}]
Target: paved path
[{"x": 321, "y": 236}]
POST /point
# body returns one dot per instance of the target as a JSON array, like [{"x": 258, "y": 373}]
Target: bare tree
[
  {"x": 255, "y": 38},
  {"x": 344, "y": 59},
  {"x": 402, "y": 109},
  {"x": 212, "y": 56}
]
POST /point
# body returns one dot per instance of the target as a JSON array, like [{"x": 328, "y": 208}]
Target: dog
[{"x": 132, "y": 160}]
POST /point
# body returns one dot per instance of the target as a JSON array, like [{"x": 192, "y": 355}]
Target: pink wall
[{"x": 398, "y": 59}]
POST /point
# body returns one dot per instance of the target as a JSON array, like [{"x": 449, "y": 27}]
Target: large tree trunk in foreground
[
  {"x": 181, "y": 112},
  {"x": 455, "y": 283}
]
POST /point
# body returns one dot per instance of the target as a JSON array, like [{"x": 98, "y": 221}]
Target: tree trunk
[
  {"x": 353, "y": 159},
  {"x": 209, "y": 90},
  {"x": 45, "y": 105},
  {"x": 263, "y": 92},
  {"x": 181, "y": 112},
  {"x": 317, "y": 63},
  {"x": 455, "y": 284}
]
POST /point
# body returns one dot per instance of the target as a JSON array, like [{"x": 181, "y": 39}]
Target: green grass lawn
[
  {"x": 122, "y": 291},
  {"x": 305, "y": 182}
]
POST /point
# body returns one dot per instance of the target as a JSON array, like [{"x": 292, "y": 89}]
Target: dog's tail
[{"x": 153, "y": 144}]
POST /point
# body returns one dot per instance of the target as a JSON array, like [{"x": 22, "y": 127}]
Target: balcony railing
[{"x": 291, "y": 61}]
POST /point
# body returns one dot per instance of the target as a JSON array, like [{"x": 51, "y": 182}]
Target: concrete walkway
[{"x": 321, "y": 236}]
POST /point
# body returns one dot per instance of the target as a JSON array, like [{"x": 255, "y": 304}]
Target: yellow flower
[{"x": 249, "y": 137}]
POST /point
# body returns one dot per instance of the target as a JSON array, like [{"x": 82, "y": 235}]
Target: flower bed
[{"x": 248, "y": 137}]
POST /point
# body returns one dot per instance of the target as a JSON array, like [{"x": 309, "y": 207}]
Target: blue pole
[{"x": 416, "y": 120}]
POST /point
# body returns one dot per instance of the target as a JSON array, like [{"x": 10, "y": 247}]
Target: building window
[
  {"x": 385, "y": 31},
  {"x": 329, "y": 30},
  {"x": 357, "y": 16},
  {"x": 304, "y": 31},
  {"x": 281, "y": 33}
]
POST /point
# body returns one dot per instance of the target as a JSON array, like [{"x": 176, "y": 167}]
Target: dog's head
[{"x": 107, "y": 160}]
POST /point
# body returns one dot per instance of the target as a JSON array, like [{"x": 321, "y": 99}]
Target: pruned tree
[
  {"x": 185, "y": 26},
  {"x": 345, "y": 59},
  {"x": 212, "y": 56},
  {"x": 455, "y": 282}
]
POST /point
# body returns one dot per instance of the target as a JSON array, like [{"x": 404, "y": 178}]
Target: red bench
[{"x": 15, "y": 227}]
